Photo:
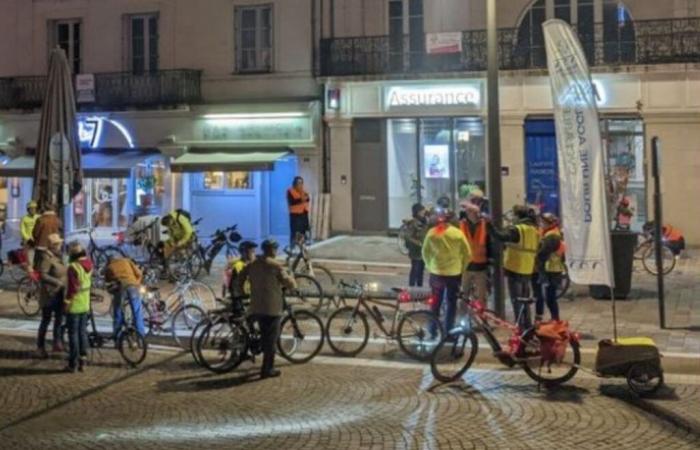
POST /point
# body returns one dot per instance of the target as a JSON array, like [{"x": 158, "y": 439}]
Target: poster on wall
[
  {"x": 443, "y": 43},
  {"x": 437, "y": 161}
]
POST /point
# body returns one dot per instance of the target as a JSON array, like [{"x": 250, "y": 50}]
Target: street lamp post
[{"x": 494, "y": 147}]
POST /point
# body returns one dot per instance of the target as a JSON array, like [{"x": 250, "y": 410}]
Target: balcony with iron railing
[
  {"x": 648, "y": 42},
  {"x": 113, "y": 91}
]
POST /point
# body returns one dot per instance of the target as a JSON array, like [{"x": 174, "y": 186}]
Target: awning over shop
[
  {"x": 96, "y": 163},
  {"x": 228, "y": 160}
]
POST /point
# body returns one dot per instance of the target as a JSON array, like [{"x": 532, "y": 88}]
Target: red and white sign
[
  {"x": 85, "y": 88},
  {"x": 443, "y": 43}
]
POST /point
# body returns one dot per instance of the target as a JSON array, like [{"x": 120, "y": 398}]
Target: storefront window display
[
  {"x": 216, "y": 181},
  {"x": 150, "y": 186},
  {"x": 626, "y": 180},
  {"x": 431, "y": 160}
]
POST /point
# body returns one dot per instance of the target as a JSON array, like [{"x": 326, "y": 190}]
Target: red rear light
[
  {"x": 431, "y": 301},
  {"x": 120, "y": 237},
  {"x": 404, "y": 297}
]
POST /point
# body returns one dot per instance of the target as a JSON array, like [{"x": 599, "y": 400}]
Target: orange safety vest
[
  {"x": 298, "y": 208},
  {"x": 477, "y": 241},
  {"x": 672, "y": 234}
]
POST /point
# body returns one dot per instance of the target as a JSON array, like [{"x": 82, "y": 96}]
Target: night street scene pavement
[{"x": 349, "y": 224}]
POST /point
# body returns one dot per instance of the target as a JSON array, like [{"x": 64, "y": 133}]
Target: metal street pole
[
  {"x": 658, "y": 223},
  {"x": 494, "y": 148}
]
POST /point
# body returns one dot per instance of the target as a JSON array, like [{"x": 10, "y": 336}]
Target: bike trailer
[{"x": 616, "y": 359}]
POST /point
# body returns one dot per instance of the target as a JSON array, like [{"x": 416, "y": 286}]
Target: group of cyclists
[{"x": 458, "y": 251}]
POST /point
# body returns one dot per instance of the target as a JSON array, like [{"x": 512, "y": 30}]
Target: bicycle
[
  {"x": 401, "y": 237},
  {"x": 182, "y": 309},
  {"x": 456, "y": 352},
  {"x": 131, "y": 345},
  {"x": 416, "y": 331},
  {"x": 137, "y": 243},
  {"x": 203, "y": 256},
  {"x": 301, "y": 263},
  {"x": 28, "y": 294},
  {"x": 645, "y": 252},
  {"x": 229, "y": 338}
]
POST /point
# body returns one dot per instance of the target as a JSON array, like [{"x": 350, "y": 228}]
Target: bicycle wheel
[
  {"x": 196, "y": 263},
  {"x": 301, "y": 337},
  {"x": 179, "y": 267},
  {"x": 196, "y": 333},
  {"x": 309, "y": 293},
  {"x": 668, "y": 260},
  {"x": 132, "y": 346},
  {"x": 323, "y": 275},
  {"x": 454, "y": 355},
  {"x": 222, "y": 346},
  {"x": 101, "y": 302},
  {"x": 418, "y": 333},
  {"x": 645, "y": 378},
  {"x": 28, "y": 296},
  {"x": 564, "y": 286},
  {"x": 549, "y": 373},
  {"x": 183, "y": 322},
  {"x": 401, "y": 240},
  {"x": 199, "y": 294},
  {"x": 347, "y": 331}
]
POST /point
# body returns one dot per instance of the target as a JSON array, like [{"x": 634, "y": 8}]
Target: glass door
[
  {"x": 103, "y": 203},
  {"x": 436, "y": 159}
]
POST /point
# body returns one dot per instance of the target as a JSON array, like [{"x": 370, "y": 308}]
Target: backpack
[{"x": 181, "y": 212}]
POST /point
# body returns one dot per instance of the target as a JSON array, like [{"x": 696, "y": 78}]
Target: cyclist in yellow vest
[
  {"x": 77, "y": 305},
  {"x": 236, "y": 266},
  {"x": 26, "y": 230},
  {"x": 180, "y": 232},
  {"x": 550, "y": 267},
  {"x": 522, "y": 241}
]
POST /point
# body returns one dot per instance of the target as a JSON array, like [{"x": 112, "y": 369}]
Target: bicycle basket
[{"x": 554, "y": 339}]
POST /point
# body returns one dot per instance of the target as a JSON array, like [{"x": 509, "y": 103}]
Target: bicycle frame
[{"x": 366, "y": 303}]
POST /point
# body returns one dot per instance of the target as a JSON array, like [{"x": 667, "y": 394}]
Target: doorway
[{"x": 369, "y": 169}]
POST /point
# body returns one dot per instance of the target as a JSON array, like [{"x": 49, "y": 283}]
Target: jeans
[
  {"x": 269, "y": 333},
  {"x": 134, "y": 296},
  {"x": 55, "y": 309},
  {"x": 445, "y": 287},
  {"x": 77, "y": 338},
  {"x": 415, "y": 277},
  {"x": 546, "y": 293},
  {"x": 519, "y": 287}
]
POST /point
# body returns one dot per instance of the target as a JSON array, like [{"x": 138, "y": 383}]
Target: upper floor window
[
  {"x": 66, "y": 34},
  {"x": 143, "y": 43},
  {"x": 253, "y": 25},
  {"x": 611, "y": 41}
]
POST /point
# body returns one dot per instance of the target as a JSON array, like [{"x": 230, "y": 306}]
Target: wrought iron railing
[
  {"x": 113, "y": 91},
  {"x": 647, "y": 42}
]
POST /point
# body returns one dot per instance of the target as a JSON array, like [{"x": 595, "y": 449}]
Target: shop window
[
  {"x": 66, "y": 34},
  {"x": 254, "y": 38},
  {"x": 150, "y": 186},
  {"x": 143, "y": 49},
  {"x": 218, "y": 181}
]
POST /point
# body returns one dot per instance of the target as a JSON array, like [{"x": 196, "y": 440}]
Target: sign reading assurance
[{"x": 447, "y": 95}]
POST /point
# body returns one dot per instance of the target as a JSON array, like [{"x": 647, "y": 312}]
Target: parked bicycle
[
  {"x": 131, "y": 345},
  {"x": 456, "y": 352},
  {"x": 138, "y": 243},
  {"x": 646, "y": 253},
  {"x": 203, "y": 256},
  {"x": 28, "y": 294},
  {"x": 299, "y": 261},
  {"x": 228, "y": 338},
  {"x": 416, "y": 331},
  {"x": 179, "y": 312}
]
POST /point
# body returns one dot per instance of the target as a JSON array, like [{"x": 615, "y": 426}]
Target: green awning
[
  {"x": 251, "y": 159},
  {"x": 22, "y": 166}
]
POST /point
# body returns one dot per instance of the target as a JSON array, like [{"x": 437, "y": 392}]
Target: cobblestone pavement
[{"x": 329, "y": 404}]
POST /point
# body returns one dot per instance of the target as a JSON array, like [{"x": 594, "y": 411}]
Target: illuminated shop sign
[
  {"x": 91, "y": 130},
  {"x": 464, "y": 95},
  {"x": 257, "y": 127}
]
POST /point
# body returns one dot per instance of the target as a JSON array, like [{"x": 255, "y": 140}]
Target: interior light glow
[{"x": 255, "y": 115}]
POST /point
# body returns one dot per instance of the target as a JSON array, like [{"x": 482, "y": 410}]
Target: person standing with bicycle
[
  {"x": 268, "y": 278},
  {"x": 77, "y": 305},
  {"x": 475, "y": 229},
  {"x": 26, "y": 229},
  {"x": 125, "y": 279},
  {"x": 550, "y": 267},
  {"x": 53, "y": 280},
  {"x": 446, "y": 253},
  {"x": 417, "y": 228},
  {"x": 522, "y": 240}
]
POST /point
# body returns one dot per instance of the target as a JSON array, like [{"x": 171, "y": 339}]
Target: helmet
[
  {"x": 520, "y": 211},
  {"x": 549, "y": 218},
  {"x": 244, "y": 246},
  {"x": 269, "y": 244},
  {"x": 32, "y": 204}
]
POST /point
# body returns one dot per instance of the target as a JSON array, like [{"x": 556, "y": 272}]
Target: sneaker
[
  {"x": 41, "y": 353},
  {"x": 273, "y": 373}
]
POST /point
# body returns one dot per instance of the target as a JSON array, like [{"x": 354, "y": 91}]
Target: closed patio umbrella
[{"x": 57, "y": 170}]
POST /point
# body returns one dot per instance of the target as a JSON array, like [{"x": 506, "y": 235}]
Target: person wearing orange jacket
[
  {"x": 672, "y": 236},
  {"x": 549, "y": 266},
  {"x": 475, "y": 229},
  {"x": 298, "y": 203}
]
